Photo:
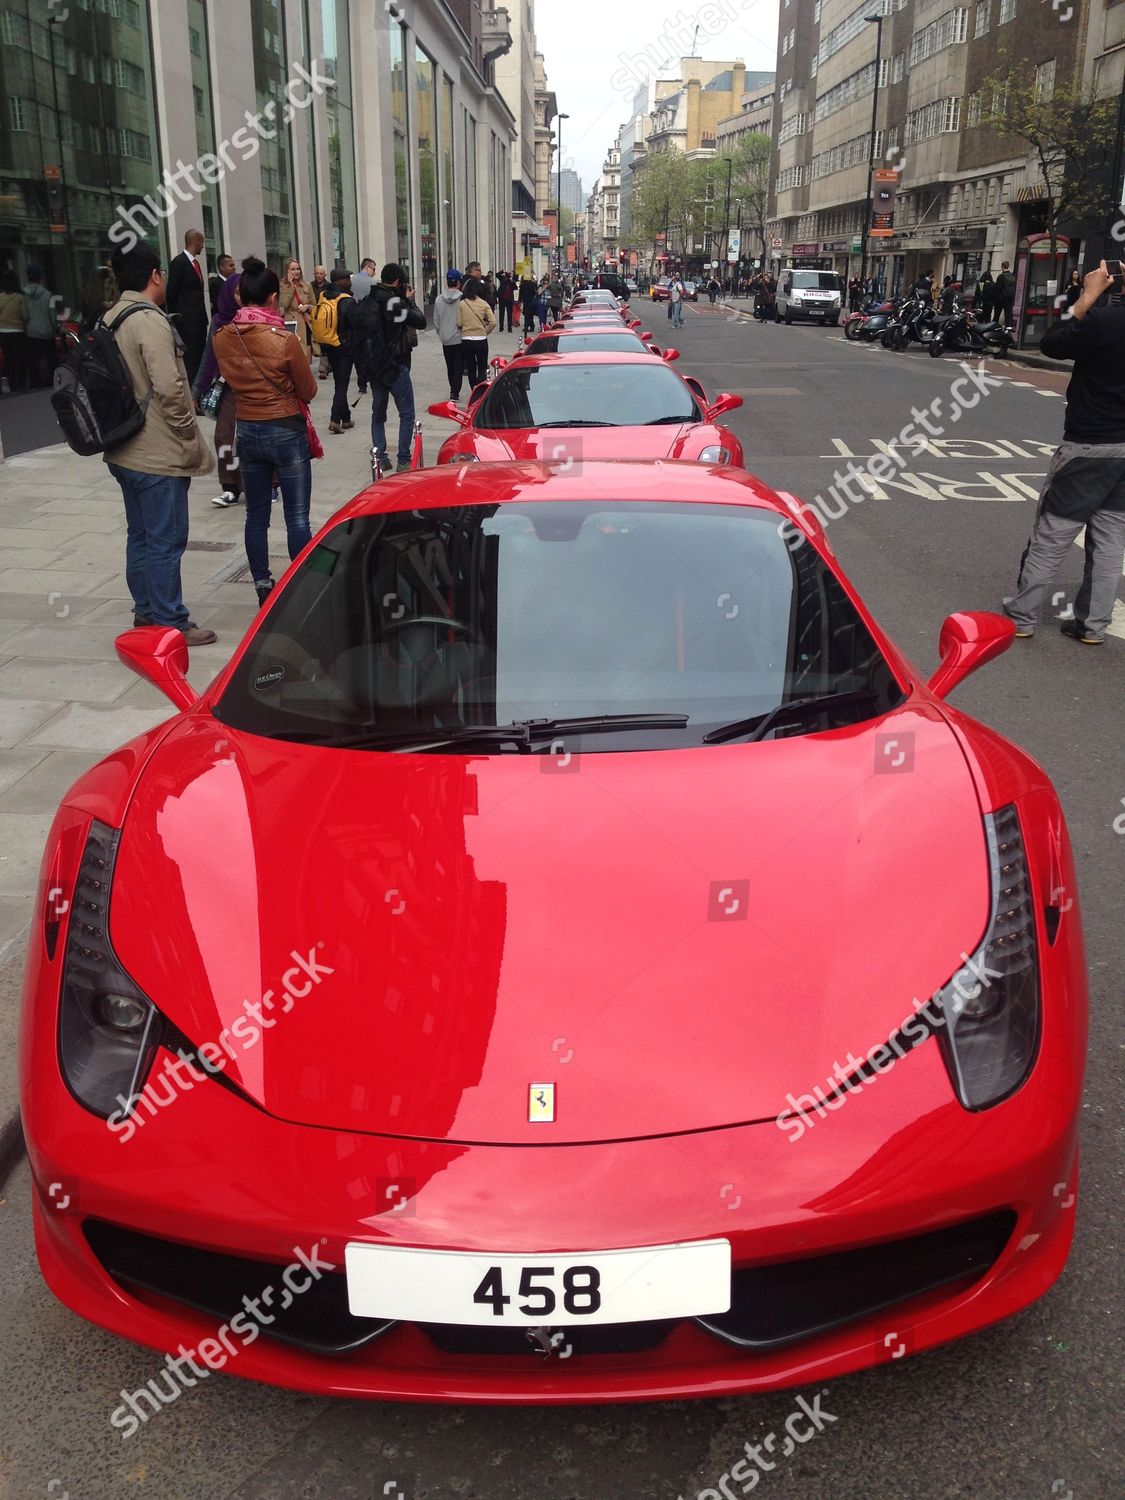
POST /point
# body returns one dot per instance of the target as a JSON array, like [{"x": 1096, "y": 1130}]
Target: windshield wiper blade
[
  {"x": 761, "y": 724},
  {"x": 521, "y": 732},
  {"x": 665, "y": 421},
  {"x": 574, "y": 424}
]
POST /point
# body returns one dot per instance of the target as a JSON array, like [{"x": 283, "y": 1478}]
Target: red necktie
[{"x": 198, "y": 272}]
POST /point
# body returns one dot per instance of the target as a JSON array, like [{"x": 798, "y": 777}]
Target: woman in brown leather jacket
[{"x": 269, "y": 372}]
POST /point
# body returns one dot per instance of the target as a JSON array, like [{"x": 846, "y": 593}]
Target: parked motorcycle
[
  {"x": 875, "y": 323},
  {"x": 856, "y": 321},
  {"x": 913, "y": 324},
  {"x": 962, "y": 333}
]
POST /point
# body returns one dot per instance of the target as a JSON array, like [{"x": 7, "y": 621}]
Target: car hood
[
  {"x": 586, "y": 443},
  {"x": 676, "y": 939}
]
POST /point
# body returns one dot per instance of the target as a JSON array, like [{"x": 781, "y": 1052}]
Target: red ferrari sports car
[
  {"x": 577, "y": 339},
  {"x": 568, "y": 954},
  {"x": 590, "y": 406}
]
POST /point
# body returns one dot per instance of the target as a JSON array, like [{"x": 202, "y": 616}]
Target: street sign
[
  {"x": 734, "y": 246},
  {"x": 776, "y": 243},
  {"x": 755, "y": 264}
]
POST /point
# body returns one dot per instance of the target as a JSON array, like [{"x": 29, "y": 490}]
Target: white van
[{"x": 810, "y": 294}]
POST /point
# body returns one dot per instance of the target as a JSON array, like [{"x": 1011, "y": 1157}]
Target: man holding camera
[{"x": 1086, "y": 479}]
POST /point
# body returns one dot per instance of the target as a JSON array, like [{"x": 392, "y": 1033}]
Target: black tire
[
  {"x": 851, "y": 330},
  {"x": 935, "y": 347},
  {"x": 788, "y": 319}
]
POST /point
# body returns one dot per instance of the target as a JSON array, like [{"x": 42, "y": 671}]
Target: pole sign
[
  {"x": 734, "y": 246},
  {"x": 885, "y": 186}
]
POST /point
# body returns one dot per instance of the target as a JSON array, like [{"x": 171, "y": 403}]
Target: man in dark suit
[{"x": 185, "y": 299}]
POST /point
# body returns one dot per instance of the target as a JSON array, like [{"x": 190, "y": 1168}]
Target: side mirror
[
  {"x": 451, "y": 410},
  {"x": 159, "y": 654},
  {"x": 969, "y": 639},
  {"x": 498, "y": 363},
  {"x": 668, "y": 354},
  {"x": 645, "y": 337},
  {"x": 723, "y": 402},
  {"x": 633, "y": 322}
]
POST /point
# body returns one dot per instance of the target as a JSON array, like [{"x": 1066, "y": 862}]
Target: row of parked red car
[{"x": 592, "y": 386}]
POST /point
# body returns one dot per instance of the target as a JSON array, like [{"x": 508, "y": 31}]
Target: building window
[
  {"x": 878, "y": 152},
  {"x": 195, "y": 46},
  {"x": 853, "y": 87},
  {"x": 1044, "y": 81},
  {"x": 972, "y": 118},
  {"x": 1007, "y": 11},
  {"x": 851, "y": 27},
  {"x": 946, "y": 31},
  {"x": 898, "y": 70},
  {"x": 940, "y": 116},
  {"x": 275, "y": 157},
  {"x": 812, "y": 66},
  {"x": 400, "y": 123},
  {"x": 983, "y": 18},
  {"x": 884, "y": 68},
  {"x": 19, "y": 111}
]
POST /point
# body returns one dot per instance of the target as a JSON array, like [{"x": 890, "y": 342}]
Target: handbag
[
  {"x": 210, "y": 400},
  {"x": 316, "y": 447}
]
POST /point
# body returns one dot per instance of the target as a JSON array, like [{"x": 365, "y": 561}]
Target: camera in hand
[{"x": 1113, "y": 267}]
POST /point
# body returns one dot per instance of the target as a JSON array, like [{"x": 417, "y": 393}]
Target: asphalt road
[{"x": 1028, "y": 1410}]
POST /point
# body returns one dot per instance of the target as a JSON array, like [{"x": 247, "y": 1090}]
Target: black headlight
[
  {"x": 108, "y": 1028},
  {"x": 990, "y": 1008}
]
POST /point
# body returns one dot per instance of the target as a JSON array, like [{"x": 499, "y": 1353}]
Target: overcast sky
[{"x": 595, "y": 52}]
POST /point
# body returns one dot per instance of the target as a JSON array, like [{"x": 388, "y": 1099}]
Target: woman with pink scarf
[{"x": 266, "y": 367}]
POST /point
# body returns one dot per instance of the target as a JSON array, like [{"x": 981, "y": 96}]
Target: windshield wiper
[
  {"x": 574, "y": 424},
  {"x": 665, "y": 421},
  {"x": 759, "y": 726},
  {"x": 522, "y": 732}
]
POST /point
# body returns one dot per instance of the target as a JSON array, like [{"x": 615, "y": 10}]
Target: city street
[{"x": 1028, "y": 1410}]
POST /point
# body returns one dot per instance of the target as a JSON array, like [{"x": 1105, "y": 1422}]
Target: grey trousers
[{"x": 1053, "y": 534}]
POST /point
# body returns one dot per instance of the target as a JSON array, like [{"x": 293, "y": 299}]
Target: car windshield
[
  {"x": 817, "y": 281},
  {"x": 586, "y": 395},
  {"x": 441, "y": 621},
  {"x": 578, "y": 343}
]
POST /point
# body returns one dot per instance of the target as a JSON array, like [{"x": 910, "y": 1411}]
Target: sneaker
[
  {"x": 263, "y": 591},
  {"x": 275, "y": 494},
  {"x": 140, "y": 621},
  {"x": 346, "y": 425},
  {"x": 1078, "y": 632},
  {"x": 1023, "y": 632},
  {"x": 335, "y": 427},
  {"x": 228, "y": 497},
  {"x": 404, "y": 465},
  {"x": 195, "y": 635}
]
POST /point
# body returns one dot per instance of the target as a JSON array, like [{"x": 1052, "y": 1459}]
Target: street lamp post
[
  {"x": 558, "y": 199},
  {"x": 726, "y": 219},
  {"x": 877, "y": 21}
]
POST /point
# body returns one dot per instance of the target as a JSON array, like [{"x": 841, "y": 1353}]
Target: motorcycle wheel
[
  {"x": 888, "y": 340},
  {"x": 935, "y": 346},
  {"x": 851, "y": 329}
]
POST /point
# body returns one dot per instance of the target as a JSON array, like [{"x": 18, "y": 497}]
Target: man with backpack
[
  {"x": 381, "y": 329},
  {"x": 329, "y": 330},
  {"x": 154, "y": 465}
]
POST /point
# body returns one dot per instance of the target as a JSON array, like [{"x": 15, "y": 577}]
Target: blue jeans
[
  {"x": 156, "y": 520},
  {"x": 403, "y": 392},
  {"x": 263, "y": 448}
]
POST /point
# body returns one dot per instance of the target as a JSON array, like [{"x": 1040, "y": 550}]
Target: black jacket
[
  {"x": 1095, "y": 397},
  {"x": 376, "y": 329},
  {"x": 185, "y": 296}
]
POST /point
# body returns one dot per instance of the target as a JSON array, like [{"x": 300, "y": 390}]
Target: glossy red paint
[
  {"x": 425, "y": 878},
  {"x": 534, "y": 444}
]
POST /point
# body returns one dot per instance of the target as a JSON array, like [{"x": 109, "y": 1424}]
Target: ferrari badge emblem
[{"x": 541, "y": 1103}]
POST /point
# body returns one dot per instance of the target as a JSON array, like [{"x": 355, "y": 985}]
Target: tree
[
  {"x": 1070, "y": 134},
  {"x": 669, "y": 198},
  {"x": 750, "y": 181}
]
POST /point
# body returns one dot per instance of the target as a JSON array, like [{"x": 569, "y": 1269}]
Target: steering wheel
[{"x": 443, "y": 620}]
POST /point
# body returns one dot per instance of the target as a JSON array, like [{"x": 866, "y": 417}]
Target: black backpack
[{"x": 93, "y": 394}]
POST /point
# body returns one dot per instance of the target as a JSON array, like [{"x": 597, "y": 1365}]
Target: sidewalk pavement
[{"x": 65, "y": 700}]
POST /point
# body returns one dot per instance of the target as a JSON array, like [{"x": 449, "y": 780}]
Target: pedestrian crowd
[{"x": 249, "y": 348}]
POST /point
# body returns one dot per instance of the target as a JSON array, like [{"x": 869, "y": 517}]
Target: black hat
[{"x": 338, "y": 273}]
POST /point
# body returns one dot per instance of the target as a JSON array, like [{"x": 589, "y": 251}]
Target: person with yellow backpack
[{"x": 328, "y": 332}]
